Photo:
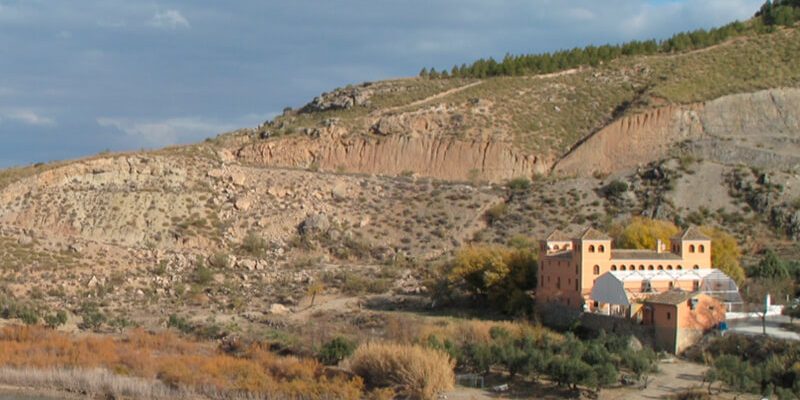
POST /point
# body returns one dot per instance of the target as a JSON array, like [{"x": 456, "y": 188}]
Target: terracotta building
[
  {"x": 680, "y": 318},
  {"x": 569, "y": 268}
]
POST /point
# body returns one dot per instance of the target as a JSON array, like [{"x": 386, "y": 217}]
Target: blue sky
[{"x": 79, "y": 77}]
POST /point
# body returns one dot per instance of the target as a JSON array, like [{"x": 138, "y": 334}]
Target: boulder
[
  {"x": 279, "y": 309},
  {"x": 315, "y": 224}
]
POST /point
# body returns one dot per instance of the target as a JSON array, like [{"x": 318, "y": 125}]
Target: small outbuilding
[{"x": 680, "y": 318}]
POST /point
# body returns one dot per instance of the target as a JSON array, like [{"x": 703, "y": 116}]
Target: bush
[
  {"x": 55, "y": 320},
  {"x": 417, "y": 372},
  {"x": 615, "y": 189},
  {"x": 519, "y": 184},
  {"x": 336, "y": 350},
  {"x": 496, "y": 212},
  {"x": 254, "y": 245},
  {"x": 93, "y": 318}
]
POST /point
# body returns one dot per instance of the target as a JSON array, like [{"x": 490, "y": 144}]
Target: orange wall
[
  {"x": 678, "y": 326},
  {"x": 552, "y": 268}
]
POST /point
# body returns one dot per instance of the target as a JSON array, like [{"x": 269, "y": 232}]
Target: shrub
[
  {"x": 496, "y": 212},
  {"x": 417, "y": 372},
  {"x": 92, "y": 316},
  {"x": 202, "y": 275},
  {"x": 55, "y": 320},
  {"x": 519, "y": 184},
  {"x": 254, "y": 245},
  {"x": 615, "y": 189},
  {"x": 336, "y": 350}
]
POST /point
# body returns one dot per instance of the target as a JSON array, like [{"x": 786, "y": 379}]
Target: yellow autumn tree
[
  {"x": 500, "y": 274},
  {"x": 642, "y": 233},
  {"x": 725, "y": 253}
]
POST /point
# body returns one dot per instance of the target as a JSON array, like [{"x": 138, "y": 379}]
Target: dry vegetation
[
  {"x": 179, "y": 365},
  {"x": 414, "y": 371}
]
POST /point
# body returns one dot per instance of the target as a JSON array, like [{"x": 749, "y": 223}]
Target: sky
[{"x": 82, "y": 76}]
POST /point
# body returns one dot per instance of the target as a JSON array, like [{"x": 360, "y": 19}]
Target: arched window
[
  {"x": 672, "y": 285},
  {"x": 602, "y": 248},
  {"x": 591, "y": 248},
  {"x": 702, "y": 248},
  {"x": 679, "y": 268},
  {"x": 691, "y": 248},
  {"x": 641, "y": 268},
  {"x": 660, "y": 268},
  {"x": 669, "y": 267},
  {"x": 597, "y": 270},
  {"x": 696, "y": 267},
  {"x": 622, "y": 268},
  {"x": 613, "y": 267},
  {"x": 650, "y": 268}
]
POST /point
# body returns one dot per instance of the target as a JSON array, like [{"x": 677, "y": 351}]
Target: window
[
  {"x": 679, "y": 268},
  {"x": 672, "y": 285},
  {"x": 591, "y": 248},
  {"x": 669, "y": 267},
  {"x": 650, "y": 268},
  {"x": 702, "y": 248},
  {"x": 576, "y": 285},
  {"x": 641, "y": 268},
  {"x": 691, "y": 248},
  {"x": 602, "y": 248},
  {"x": 577, "y": 270},
  {"x": 623, "y": 268},
  {"x": 659, "y": 267},
  {"x": 558, "y": 283},
  {"x": 695, "y": 285},
  {"x": 613, "y": 267},
  {"x": 597, "y": 270},
  {"x": 669, "y": 315},
  {"x": 696, "y": 267}
]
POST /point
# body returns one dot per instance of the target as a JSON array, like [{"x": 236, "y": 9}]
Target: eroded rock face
[
  {"x": 437, "y": 157},
  {"x": 761, "y": 129}
]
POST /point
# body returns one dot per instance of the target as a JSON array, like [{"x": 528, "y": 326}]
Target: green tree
[
  {"x": 770, "y": 267},
  {"x": 336, "y": 350}
]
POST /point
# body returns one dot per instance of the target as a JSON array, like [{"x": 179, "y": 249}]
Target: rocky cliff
[
  {"x": 437, "y": 157},
  {"x": 759, "y": 129}
]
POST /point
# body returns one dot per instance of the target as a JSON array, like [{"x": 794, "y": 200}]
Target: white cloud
[
  {"x": 165, "y": 132},
  {"x": 172, "y": 19},
  {"x": 26, "y": 116}
]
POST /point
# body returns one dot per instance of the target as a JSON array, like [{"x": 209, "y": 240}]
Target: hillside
[
  {"x": 355, "y": 199},
  {"x": 504, "y": 127}
]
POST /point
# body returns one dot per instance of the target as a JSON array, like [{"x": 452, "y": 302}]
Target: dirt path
[{"x": 429, "y": 98}]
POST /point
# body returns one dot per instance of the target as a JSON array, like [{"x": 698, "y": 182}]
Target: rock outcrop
[
  {"x": 761, "y": 129},
  {"x": 631, "y": 141},
  {"x": 437, "y": 157}
]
